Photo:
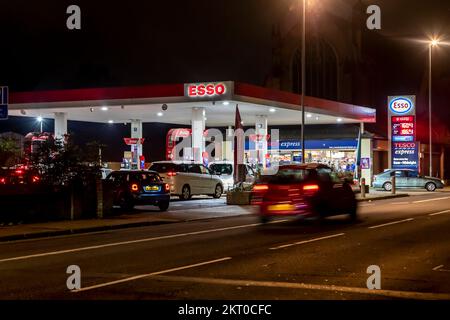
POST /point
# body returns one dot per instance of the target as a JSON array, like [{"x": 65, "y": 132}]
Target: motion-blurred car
[
  {"x": 406, "y": 178},
  {"x": 188, "y": 179},
  {"x": 225, "y": 171},
  {"x": 19, "y": 175},
  {"x": 307, "y": 190},
  {"x": 135, "y": 187}
]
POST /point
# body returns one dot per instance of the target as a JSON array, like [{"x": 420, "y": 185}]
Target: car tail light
[
  {"x": 36, "y": 179},
  {"x": 311, "y": 187},
  {"x": 166, "y": 187},
  {"x": 261, "y": 187},
  {"x": 3, "y": 180},
  {"x": 134, "y": 187},
  {"x": 171, "y": 174},
  {"x": 19, "y": 171}
]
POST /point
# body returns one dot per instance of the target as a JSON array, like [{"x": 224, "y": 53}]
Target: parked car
[
  {"x": 188, "y": 179},
  {"x": 225, "y": 171},
  {"x": 406, "y": 178},
  {"x": 303, "y": 190},
  {"x": 135, "y": 187}
]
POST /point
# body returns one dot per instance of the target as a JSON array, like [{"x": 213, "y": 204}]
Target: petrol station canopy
[{"x": 174, "y": 103}]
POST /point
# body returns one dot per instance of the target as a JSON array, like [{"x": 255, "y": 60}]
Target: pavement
[
  {"x": 238, "y": 258},
  {"x": 180, "y": 211}
]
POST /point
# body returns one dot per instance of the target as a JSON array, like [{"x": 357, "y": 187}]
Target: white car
[
  {"x": 188, "y": 179},
  {"x": 225, "y": 170}
]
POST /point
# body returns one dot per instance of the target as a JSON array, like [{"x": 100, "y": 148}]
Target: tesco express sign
[
  {"x": 401, "y": 105},
  {"x": 206, "y": 90}
]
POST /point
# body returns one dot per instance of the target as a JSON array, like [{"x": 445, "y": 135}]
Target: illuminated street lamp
[
  {"x": 41, "y": 121},
  {"x": 433, "y": 43}
]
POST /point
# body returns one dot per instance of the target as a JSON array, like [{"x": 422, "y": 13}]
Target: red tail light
[
  {"x": 311, "y": 187},
  {"x": 3, "y": 180},
  {"x": 171, "y": 174},
  {"x": 19, "y": 171},
  {"x": 261, "y": 187},
  {"x": 166, "y": 187},
  {"x": 36, "y": 179},
  {"x": 134, "y": 187}
]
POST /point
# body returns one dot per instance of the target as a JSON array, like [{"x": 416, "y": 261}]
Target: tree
[{"x": 10, "y": 151}]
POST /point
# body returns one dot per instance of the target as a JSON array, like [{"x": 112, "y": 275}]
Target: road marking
[
  {"x": 306, "y": 241},
  {"x": 399, "y": 203},
  {"x": 438, "y": 213},
  {"x": 306, "y": 286},
  {"x": 101, "y": 285},
  {"x": 428, "y": 200},
  {"x": 45, "y": 254},
  {"x": 391, "y": 223}
]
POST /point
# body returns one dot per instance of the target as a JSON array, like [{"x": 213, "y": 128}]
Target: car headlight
[{"x": 443, "y": 182}]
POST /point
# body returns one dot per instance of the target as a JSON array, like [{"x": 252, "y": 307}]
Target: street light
[
  {"x": 433, "y": 43},
  {"x": 41, "y": 121},
  {"x": 302, "y": 97}
]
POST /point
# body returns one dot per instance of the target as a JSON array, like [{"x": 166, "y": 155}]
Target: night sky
[{"x": 145, "y": 42}]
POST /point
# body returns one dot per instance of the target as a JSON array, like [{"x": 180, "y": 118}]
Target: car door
[
  {"x": 194, "y": 178},
  {"x": 207, "y": 181},
  {"x": 413, "y": 180},
  {"x": 401, "y": 179}
]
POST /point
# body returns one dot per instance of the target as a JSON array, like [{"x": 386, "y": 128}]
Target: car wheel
[
  {"x": 218, "y": 191},
  {"x": 387, "y": 186},
  {"x": 430, "y": 186},
  {"x": 163, "y": 206},
  {"x": 354, "y": 211},
  {"x": 125, "y": 202},
  {"x": 265, "y": 219},
  {"x": 185, "y": 193}
]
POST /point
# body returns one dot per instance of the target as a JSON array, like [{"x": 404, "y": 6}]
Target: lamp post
[
  {"x": 40, "y": 120},
  {"x": 303, "y": 67},
  {"x": 433, "y": 43}
]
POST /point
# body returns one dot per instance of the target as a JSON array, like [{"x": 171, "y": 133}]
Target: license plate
[
  {"x": 152, "y": 188},
  {"x": 281, "y": 207}
]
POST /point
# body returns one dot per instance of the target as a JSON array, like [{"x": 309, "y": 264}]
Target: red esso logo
[
  {"x": 206, "y": 90},
  {"x": 401, "y": 105}
]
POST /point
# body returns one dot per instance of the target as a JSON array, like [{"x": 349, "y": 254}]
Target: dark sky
[{"x": 143, "y": 42}]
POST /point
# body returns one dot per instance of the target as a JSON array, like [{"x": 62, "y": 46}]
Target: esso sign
[
  {"x": 206, "y": 90},
  {"x": 401, "y": 106}
]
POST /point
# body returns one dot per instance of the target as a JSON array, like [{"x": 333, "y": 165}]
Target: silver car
[{"x": 406, "y": 178}]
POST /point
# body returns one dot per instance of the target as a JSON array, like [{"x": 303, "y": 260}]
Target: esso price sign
[
  {"x": 401, "y": 106},
  {"x": 206, "y": 90}
]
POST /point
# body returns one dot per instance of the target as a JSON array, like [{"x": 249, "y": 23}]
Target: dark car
[
  {"x": 19, "y": 175},
  {"x": 131, "y": 188},
  {"x": 303, "y": 190}
]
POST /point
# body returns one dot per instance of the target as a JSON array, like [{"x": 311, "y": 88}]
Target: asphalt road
[{"x": 237, "y": 258}]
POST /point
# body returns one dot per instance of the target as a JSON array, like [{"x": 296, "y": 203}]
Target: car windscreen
[
  {"x": 286, "y": 176},
  {"x": 166, "y": 167},
  {"x": 223, "y": 168}
]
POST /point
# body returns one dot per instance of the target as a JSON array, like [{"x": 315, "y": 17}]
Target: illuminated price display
[{"x": 403, "y": 126}]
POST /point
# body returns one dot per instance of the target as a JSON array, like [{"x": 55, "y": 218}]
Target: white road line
[
  {"x": 306, "y": 241},
  {"x": 399, "y": 203},
  {"x": 438, "y": 213},
  {"x": 390, "y": 223},
  {"x": 438, "y": 267},
  {"x": 306, "y": 286},
  {"x": 101, "y": 285},
  {"x": 428, "y": 200},
  {"x": 45, "y": 254}
]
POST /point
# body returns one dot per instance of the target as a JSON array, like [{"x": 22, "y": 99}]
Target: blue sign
[
  {"x": 341, "y": 144},
  {"x": 405, "y": 155},
  {"x": 3, "y": 103},
  {"x": 403, "y": 138}
]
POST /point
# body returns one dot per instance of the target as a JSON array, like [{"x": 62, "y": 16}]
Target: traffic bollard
[
  {"x": 393, "y": 184},
  {"x": 362, "y": 186}
]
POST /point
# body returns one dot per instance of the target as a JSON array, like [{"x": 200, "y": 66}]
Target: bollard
[
  {"x": 362, "y": 186},
  {"x": 393, "y": 184}
]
